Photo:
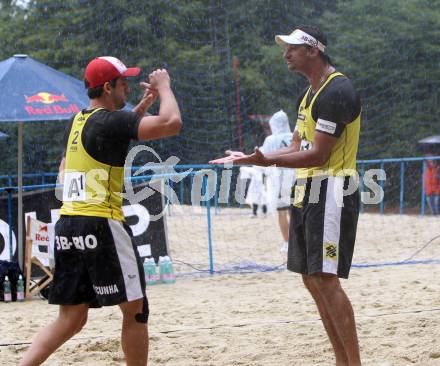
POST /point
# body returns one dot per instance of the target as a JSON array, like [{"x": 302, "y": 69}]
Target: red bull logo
[
  {"x": 46, "y": 98},
  {"x": 43, "y": 228},
  {"x": 39, "y": 237},
  {"x": 51, "y": 107}
]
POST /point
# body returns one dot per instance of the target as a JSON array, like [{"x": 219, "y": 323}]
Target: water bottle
[
  {"x": 170, "y": 270},
  {"x": 150, "y": 271},
  {"x": 154, "y": 274},
  {"x": 145, "y": 265},
  {"x": 163, "y": 270},
  {"x": 7, "y": 295},
  {"x": 20, "y": 288}
]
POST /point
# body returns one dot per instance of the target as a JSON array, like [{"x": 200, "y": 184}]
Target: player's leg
[
  {"x": 437, "y": 204},
  {"x": 283, "y": 221},
  {"x": 335, "y": 340},
  {"x": 70, "y": 289},
  {"x": 431, "y": 204},
  {"x": 134, "y": 336},
  {"x": 254, "y": 209},
  {"x": 330, "y": 230},
  {"x": 283, "y": 204},
  {"x": 297, "y": 262},
  {"x": 336, "y": 305},
  {"x": 70, "y": 320},
  {"x": 117, "y": 275}
]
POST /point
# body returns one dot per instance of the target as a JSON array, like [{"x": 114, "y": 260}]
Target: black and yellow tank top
[
  {"x": 91, "y": 187},
  {"x": 334, "y": 109}
]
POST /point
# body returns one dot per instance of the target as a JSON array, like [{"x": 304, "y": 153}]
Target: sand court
[{"x": 263, "y": 318}]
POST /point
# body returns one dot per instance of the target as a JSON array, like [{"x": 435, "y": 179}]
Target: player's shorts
[
  {"x": 322, "y": 231},
  {"x": 96, "y": 263}
]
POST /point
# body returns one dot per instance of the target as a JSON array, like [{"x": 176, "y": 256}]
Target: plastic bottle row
[
  {"x": 162, "y": 273},
  {"x": 7, "y": 292}
]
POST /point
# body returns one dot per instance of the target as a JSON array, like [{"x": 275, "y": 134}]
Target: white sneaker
[{"x": 284, "y": 247}]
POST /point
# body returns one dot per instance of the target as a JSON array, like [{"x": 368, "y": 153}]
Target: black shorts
[
  {"x": 322, "y": 230},
  {"x": 96, "y": 263}
]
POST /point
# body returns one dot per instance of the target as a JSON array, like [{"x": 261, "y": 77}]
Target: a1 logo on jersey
[{"x": 74, "y": 186}]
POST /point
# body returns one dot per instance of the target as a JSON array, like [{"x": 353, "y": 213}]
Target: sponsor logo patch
[
  {"x": 326, "y": 126},
  {"x": 330, "y": 251}
]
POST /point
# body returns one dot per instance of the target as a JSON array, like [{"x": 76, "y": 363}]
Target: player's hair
[
  {"x": 97, "y": 91},
  {"x": 320, "y": 36}
]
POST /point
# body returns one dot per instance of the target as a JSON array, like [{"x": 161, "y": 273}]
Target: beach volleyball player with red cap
[{"x": 96, "y": 263}]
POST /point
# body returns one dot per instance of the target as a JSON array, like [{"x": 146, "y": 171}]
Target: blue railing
[
  {"x": 400, "y": 186},
  {"x": 408, "y": 188},
  {"x": 418, "y": 180}
]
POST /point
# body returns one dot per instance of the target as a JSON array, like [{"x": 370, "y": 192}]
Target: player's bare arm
[
  {"x": 61, "y": 170},
  {"x": 316, "y": 156},
  {"x": 149, "y": 97},
  {"x": 168, "y": 122},
  {"x": 232, "y": 156}
]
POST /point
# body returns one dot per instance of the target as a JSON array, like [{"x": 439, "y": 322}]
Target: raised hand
[
  {"x": 148, "y": 99},
  {"x": 159, "y": 78}
]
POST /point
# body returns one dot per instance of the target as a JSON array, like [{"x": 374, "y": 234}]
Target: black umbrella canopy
[
  {"x": 430, "y": 140},
  {"x": 430, "y": 145}
]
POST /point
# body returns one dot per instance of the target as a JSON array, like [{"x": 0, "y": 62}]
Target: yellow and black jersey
[
  {"x": 335, "y": 109},
  {"x": 96, "y": 148}
]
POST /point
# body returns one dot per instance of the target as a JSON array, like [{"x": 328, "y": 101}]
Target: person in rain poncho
[
  {"x": 279, "y": 181},
  {"x": 256, "y": 195}
]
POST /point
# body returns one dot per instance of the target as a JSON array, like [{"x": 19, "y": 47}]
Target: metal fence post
[
  {"x": 181, "y": 188},
  {"x": 208, "y": 213},
  {"x": 215, "y": 190},
  {"x": 422, "y": 203},
  {"x": 402, "y": 185},
  {"x": 382, "y": 202},
  {"x": 361, "y": 180}
]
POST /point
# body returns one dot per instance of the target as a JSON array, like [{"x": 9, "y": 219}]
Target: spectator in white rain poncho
[
  {"x": 279, "y": 181},
  {"x": 256, "y": 195},
  {"x": 271, "y": 186}
]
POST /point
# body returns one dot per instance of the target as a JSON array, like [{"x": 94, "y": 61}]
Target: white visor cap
[{"x": 299, "y": 37}]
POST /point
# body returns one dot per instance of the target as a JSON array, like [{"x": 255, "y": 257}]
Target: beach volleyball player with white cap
[{"x": 324, "y": 211}]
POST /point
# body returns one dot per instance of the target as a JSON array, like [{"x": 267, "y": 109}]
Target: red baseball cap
[{"x": 106, "y": 68}]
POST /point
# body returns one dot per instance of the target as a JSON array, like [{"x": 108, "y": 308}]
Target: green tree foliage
[{"x": 390, "y": 50}]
